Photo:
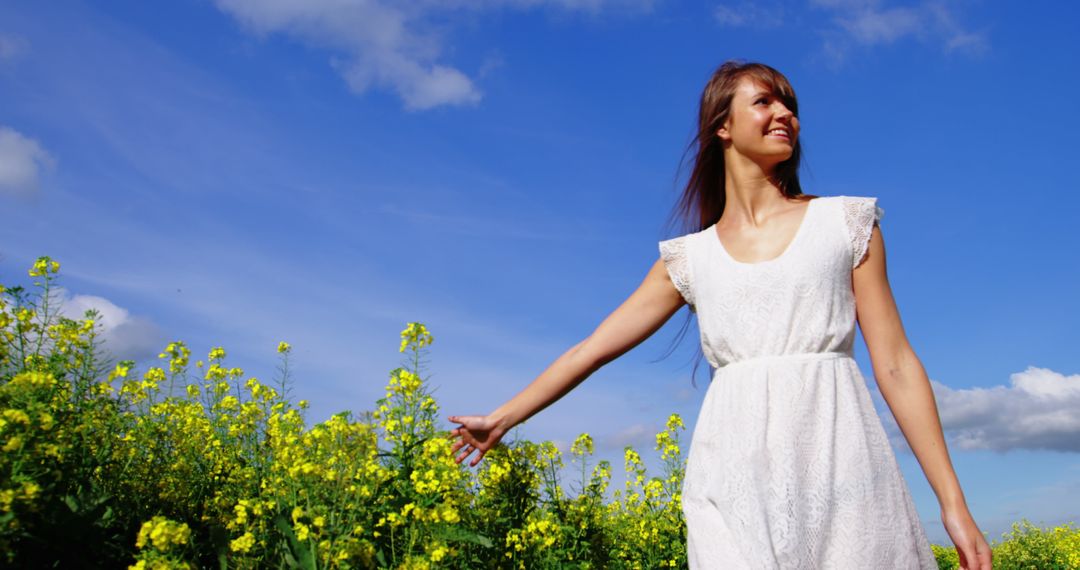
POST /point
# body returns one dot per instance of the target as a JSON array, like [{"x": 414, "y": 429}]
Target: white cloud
[
  {"x": 21, "y": 161},
  {"x": 871, "y": 26},
  {"x": 124, "y": 336},
  {"x": 749, "y": 14},
  {"x": 870, "y": 23},
  {"x": 382, "y": 45},
  {"x": 1039, "y": 411},
  {"x": 390, "y": 45}
]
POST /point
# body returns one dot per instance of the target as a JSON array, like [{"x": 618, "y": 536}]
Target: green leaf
[
  {"x": 459, "y": 534},
  {"x": 299, "y": 555}
]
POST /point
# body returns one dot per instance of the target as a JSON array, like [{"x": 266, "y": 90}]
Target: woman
[{"x": 789, "y": 466}]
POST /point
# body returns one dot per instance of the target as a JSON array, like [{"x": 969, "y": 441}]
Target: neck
[{"x": 749, "y": 189}]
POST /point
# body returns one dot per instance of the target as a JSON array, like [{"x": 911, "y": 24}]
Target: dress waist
[{"x": 772, "y": 358}]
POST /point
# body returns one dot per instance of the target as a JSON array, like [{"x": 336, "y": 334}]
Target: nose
[{"x": 782, "y": 112}]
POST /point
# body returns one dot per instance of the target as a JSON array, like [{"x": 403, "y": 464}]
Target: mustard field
[{"x": 193, "y": 464}]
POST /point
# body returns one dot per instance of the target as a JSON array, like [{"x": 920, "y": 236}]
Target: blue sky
[{"x": 237, "y": 173}]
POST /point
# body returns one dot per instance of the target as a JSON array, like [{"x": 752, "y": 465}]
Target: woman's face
[{"x": 759, "y": 126}]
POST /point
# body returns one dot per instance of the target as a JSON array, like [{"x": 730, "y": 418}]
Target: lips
[{"x": 780, "y": 133}]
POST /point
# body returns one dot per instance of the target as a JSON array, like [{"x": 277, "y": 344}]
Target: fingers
[
  {"x": 468, "y": 451},
  {"x": 972, "y": 558},
  {"x": 462, "y": 432},
  {"x": 976, "y": 557},
  {"x": 962, "y": 554},
  {"x": 984, "y": 556},
  {"x": 479, "y": 456},
  {"x": 462, "y": 457}
]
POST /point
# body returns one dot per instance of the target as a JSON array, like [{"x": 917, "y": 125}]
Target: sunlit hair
[{"x": 703, "y": 199}]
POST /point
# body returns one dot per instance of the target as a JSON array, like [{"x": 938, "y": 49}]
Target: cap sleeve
[
  {"x": 675, "y": 255},
  {"x": 860, "y": 215}
]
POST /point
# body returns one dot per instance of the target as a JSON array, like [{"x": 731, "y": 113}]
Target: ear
[{"x": 723, "y": 132}]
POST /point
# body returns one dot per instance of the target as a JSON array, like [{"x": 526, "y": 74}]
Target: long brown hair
[{"x": 703, "y": 199}]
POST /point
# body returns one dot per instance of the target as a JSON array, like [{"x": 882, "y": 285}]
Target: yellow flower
[
  {"x": 583, "y": 445},
  {"x": 415, "y": 334},
  {"x": 120, "y": 371},
  {"x": 162, "y": 533},
  {"x": 30, "y": 490},
  {"x": 16, "y": 416},
  {"x": 243, "y": 544},
  {"x": 44, "y": 265},
  {"x": 302, "y": 531},
  {"x": 283, "y": 347}
]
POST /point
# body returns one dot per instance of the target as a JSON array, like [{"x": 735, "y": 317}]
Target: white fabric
[{"x": 789, "y": 466}]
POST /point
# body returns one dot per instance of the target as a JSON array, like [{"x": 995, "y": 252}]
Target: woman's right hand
[
  {"x": 477, "y": 433},
  {"x": 971, "y": 545}
]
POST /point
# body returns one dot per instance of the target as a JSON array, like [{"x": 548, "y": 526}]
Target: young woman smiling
[{"x": 789, "y": 466}]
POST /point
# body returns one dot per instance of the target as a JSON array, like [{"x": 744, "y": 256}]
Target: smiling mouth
[{"x": 779, "y": 133}]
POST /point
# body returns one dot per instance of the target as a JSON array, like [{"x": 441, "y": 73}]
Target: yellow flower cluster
[
  {"x": 1028, "y": 546},
  {"x": 583, "y": 445},
  {"x": 162, "y": 534},
  {"x": 539, "y": 532},
  {"x": 44, "y": 265},
  {"x": 415, "y": 335},
  {"x": 236, "y": 460}
]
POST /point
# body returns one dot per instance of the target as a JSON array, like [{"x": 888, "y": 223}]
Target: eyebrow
[{"x": 760, "y": 93}]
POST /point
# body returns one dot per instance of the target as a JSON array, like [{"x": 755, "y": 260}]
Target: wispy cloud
[
  {"x": 1037, "y": 412},
  {"x": 22, "y": 159},
  {"x": 379, "y": 44},
  {"x": 761, "y": 15},
  {"x": 123, "y": 335},
  {"x": 855, "y": 24},
  {"x": 867, "y": 23},
  {"x": 870, "y": 26}
]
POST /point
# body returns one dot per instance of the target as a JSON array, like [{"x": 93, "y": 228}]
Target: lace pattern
[
  {"x": 676, "y": 260},
  {"x": 860, "y": 215},
  {"x": 789, "y": 466}
]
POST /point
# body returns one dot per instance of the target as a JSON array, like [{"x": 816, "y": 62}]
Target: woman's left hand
[{"x": 970, "y": 543}]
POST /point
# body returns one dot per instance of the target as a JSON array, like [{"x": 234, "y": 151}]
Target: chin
[{"x": 773, "y": 160}]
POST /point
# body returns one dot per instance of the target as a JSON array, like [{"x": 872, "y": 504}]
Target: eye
[{"x": 761, "y": 99}]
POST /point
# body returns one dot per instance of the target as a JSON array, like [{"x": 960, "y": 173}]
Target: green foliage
[{"x": 198, "y": 466}]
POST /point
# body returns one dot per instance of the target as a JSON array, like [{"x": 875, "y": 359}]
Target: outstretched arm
[
  {"x": 643, "y": 312},
  {"x": 906, "y": 388}
]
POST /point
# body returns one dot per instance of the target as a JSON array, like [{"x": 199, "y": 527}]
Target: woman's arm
[
  {"x": 900, "y": 375},
  {"x": 643, "y": 312},
  {"x": 904, "y": 385}
]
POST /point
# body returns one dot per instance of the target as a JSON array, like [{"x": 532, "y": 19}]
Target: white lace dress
[{"x": 789, "y": 466}]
